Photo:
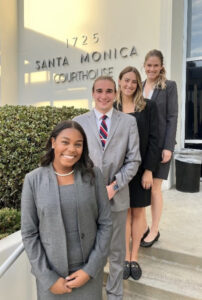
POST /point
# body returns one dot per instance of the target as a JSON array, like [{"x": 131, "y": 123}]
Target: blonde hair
[
  {"x": 138, "y": 98},
  {"x": 161, "y": 80}
]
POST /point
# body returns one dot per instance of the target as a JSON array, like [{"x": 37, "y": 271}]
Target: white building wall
[
  {"x": 172, "y": 44},
  {"x": 45, "y": 27},
  {"x": 8, "y": 52},
  {"x": 38, "y": 31}
]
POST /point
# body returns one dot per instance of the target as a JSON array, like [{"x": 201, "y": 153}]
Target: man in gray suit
[{"x": 113, "y": 143}]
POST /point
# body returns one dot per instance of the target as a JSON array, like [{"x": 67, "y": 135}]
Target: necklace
[{"x": 62, "y": 175}]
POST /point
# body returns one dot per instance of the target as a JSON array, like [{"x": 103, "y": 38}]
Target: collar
[{"x": 99, "y": 115}]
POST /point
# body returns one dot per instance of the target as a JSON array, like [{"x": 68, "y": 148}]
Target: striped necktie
[{"x": 103, "y": 131}]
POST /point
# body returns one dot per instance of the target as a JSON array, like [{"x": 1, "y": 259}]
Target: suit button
[{"x": 82, "y": 235}]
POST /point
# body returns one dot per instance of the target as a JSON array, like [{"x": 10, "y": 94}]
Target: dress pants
[{"x": 114, "y": 286}]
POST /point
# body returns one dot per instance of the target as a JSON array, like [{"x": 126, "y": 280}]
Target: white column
[
  {"x": 172, "y": 45},
  {"x": 9, "y": 52}
]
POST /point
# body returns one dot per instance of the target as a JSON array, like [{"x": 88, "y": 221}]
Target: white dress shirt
[{"x": 107, "y": 120}]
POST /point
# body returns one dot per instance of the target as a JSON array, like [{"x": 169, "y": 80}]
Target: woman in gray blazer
[
  {"x": 66, "y": 223},
  {"x": 164, "y": 93}
]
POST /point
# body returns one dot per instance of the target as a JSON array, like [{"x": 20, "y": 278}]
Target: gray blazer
[
  {"x": 167, "y": 105},
  {"x": 121, "y": 157},
  {"x": 43, "y": 230}
]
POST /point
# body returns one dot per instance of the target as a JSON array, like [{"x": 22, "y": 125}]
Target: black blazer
[
  {"x": 167, "y": 105},
  {"x": 148, "y": 128}
]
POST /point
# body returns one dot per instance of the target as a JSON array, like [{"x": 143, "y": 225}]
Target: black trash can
[
  {"x": 190, "y": 153},
  {"x": 188, "y": 172}
]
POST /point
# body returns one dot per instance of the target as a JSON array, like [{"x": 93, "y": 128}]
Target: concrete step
[
  {"x": 161, "y": 250},
  {"x": 129, "y": 295},
  {"x": 180, "y": 229},
  {"x": 163, "y": 280},
  {"x": 180, "y": 225}
]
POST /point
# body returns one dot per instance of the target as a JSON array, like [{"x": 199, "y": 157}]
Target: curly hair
[{"x": 85, "y": 164}]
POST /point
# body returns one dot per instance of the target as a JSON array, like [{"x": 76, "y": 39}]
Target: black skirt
[
  {"x": 139, "y": 197},
  {"x": 162, "y": 170}
]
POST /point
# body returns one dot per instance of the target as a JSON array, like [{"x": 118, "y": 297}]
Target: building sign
[{"x": 84, "y": 60}]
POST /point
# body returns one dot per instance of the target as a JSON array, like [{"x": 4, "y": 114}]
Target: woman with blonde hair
[
  {"x": 164, "y": 93},
  {"x": 130, "y": 100}
]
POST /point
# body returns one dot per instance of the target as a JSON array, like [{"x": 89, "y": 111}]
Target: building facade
[{"x": 51, "y": 51}]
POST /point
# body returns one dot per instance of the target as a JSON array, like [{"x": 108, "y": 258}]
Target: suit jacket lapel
[
  {"x": 59, "y": 229},
  {"x": 54, "y": 187},
  {"x": 78, "y": 191},
  {"x": 113, "y": 127},
  {"x": 155, "y": 94},
  {"x": 93, "y": 126},
  {"x": 54, "y": 190}
]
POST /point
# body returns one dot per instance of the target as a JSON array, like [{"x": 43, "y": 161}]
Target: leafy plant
[
  {"x": 24, "y": 131},
  {"x": 9, "y": 221}
]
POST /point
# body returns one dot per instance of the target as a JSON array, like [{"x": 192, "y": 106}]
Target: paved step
[
  {"x": 172, "y": 267},
  {"x": 159, "y": 252},
  {"x": 163, "y": 280},
  {"x": 180, "y": 229},
  {"x": 129, "y": 295}
]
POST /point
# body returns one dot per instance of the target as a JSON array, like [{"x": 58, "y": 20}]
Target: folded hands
[{"x": 65, "y": 285}]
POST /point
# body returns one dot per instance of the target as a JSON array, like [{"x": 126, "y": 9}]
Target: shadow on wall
[
  {"x": 47, "y": 73},
  {"x": 56, "y": 64}
]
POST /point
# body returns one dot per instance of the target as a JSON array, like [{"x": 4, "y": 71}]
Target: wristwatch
[{"x": 115, "y": 187}]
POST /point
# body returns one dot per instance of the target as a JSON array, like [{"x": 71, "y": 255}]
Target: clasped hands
[{"x": 65, "y": 285}]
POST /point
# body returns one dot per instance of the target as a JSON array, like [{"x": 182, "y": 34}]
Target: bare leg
[
  {"x": 144, "y": 220},
  {"x": 138, "y": 227},
  {"x": 128, "y": 235},
  {"x": 156, "y": 209}
]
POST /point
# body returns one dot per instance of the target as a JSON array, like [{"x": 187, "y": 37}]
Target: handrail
[{"x": 11, "y": 259}]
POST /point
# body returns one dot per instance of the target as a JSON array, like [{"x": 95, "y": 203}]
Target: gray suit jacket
[
  {"x": 43, "y": 230},
  {"x": 167, "y": 105},
  {"x": 121, "y": 158}
]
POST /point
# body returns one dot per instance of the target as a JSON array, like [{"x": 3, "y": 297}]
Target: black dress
[{"x": 147, "y": 123}]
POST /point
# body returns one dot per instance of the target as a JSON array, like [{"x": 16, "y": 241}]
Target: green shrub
[
  {"x": 23, "y": 134},
  {"x": 3, "y": 235},
  {"x": 9, "y": 221}
]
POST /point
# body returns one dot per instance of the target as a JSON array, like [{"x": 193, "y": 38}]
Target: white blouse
[{"x": 149, "y": 96}]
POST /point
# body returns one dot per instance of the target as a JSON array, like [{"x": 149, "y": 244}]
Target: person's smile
[
  {"x": 68, "y": 147},
  {"x": 104, "y": 95}
]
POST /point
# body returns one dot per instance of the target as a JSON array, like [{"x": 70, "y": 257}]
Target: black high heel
[
  {"x": 145, "y": 234},
  {"x": 149, "y": 244}
]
